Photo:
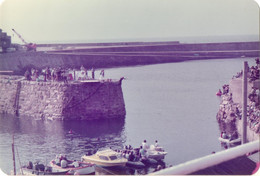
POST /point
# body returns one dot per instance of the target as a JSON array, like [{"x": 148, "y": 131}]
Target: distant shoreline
[{"x": 109, "y": 55}]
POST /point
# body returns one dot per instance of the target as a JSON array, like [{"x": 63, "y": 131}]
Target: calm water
[{"x": 174, "y": 103}]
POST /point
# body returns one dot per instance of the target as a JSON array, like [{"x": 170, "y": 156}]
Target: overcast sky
[{"x": 90, "y": 20}]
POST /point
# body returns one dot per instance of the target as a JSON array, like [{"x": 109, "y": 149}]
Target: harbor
[
  {"x": 48, "y": 138},
  {"x": 137, "y": 87}
]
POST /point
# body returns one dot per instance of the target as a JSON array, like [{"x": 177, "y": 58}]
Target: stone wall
[
  {"x": 129, "y": 54},
  {"x": 62, "y": 101},
  {"x": 230, "y": 109}
]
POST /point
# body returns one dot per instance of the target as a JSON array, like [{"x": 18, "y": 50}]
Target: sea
[{"x": 174, "y": 103}]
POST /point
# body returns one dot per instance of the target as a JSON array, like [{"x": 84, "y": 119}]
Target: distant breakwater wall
[
  {"x": 125, "y": 54},
  {"x": 62, "y": 101}
]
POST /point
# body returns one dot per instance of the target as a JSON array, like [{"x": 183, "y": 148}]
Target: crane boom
[
  {"x": 20, "y": 37},
  {"x": 29, "y": 46}
]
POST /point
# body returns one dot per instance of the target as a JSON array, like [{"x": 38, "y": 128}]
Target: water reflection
[{"x": 42, "y": 140}]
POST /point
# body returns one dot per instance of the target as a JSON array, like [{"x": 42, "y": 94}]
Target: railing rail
[{"x": 210, "y": 160}]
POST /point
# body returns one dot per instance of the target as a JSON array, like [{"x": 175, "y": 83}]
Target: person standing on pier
[
  {"x": 27, "y": 75},
  {"x": 102, "y": 74},
  {"x": 93, "y": 73}
]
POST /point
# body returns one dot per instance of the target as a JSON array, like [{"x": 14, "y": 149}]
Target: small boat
[
  {"x": 105, "y": 158},
  {"x": 156, "y": 153},
  {"x": 39, "y": 169},
  {"x": 228, "y": 141},
  {"x": 82, "y": 168}
]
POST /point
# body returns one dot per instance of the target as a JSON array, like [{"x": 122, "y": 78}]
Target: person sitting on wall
[{"x": 48, "y": 73}]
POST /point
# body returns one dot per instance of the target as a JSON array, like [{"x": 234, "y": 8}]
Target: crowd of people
[
  {"x": 136, "y": 154},
  {"x": 62, "y": 161},
  {"x": 230, "y": 111},
  {"x": 61, "y": 74},
  {"x": 253, "y": 72}
]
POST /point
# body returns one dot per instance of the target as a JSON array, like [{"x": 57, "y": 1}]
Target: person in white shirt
[{"x": 145, "y": 145}]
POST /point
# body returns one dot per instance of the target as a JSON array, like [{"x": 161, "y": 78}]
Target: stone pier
[{"x": 91, "y": 99}]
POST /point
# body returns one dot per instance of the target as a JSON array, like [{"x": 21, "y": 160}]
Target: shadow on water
[{"x": 42, "y": 140}]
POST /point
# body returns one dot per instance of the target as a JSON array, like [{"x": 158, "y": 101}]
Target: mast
[{"x": 13, "y": 156}]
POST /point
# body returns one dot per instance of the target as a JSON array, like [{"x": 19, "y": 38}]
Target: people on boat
[
  {"x": 145, "y": 146},
  {"x": 63, "y": 163},
  {"x": 142, "y": 152},
  {"x": 156, "y": 143},
  {"x": 131, "y": 156},
  {"x": 30, "y": 165},
  {"x": 75, "y": 163}
]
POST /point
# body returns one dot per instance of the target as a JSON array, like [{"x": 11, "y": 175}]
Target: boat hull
[
  {"x": 103, "y": 163},
  {"x": 84, "y": 169},
  {"x": 135, "y": 164},
  {"x": 235, "y": 141}
]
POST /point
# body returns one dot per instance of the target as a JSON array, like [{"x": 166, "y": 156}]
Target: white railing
[{"x": 210, "y": 160}]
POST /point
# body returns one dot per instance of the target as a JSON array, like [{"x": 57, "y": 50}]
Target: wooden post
[
  {"x": 244, "y": 103},
  {"x": 13, "y": 156}
]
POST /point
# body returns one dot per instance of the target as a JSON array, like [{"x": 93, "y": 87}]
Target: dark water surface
[{"x": 174, "y": 103}]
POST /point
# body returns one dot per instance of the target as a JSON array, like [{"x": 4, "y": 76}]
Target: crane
[{"x": 29, "y": 46}]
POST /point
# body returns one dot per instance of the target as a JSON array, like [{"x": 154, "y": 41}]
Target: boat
[
  {"x": 156, "y": 153},
  {"x": 82, "y": 168},
  {"x": 39, "y": 169},
  {"x": 105, "y": 158},
  {"x": 228, "y": 141}
]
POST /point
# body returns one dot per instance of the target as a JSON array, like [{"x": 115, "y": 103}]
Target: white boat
[
  {"x": 39, "y": 169},
  {"x": 156, "y": 153},
  {"x": 82, "y": 169},
  {"x": 105, "y": 158},
  {"x": 228, "y": 141}
]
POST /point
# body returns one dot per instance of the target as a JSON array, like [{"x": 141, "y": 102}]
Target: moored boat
[
  {"x": 72, "y": 167},
  {"x": 156, "y": 155},
  {"x": 39, "y": 169},
  {"x": 105, "y": 158},
  {"x": 228, "y": 141}
]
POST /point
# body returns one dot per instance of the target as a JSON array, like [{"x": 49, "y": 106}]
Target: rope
[
  {"x": 19, "y": 159},
  {"x": 84, "y": 99}
]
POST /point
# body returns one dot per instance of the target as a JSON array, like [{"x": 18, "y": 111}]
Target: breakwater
[
  {"x": 122, "y": 54},
  {"x": 91, "y": 99},
  {"x": 230, "y": 109}
]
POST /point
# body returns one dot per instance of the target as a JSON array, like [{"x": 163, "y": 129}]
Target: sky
[{"x": 50, "y": 21}]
